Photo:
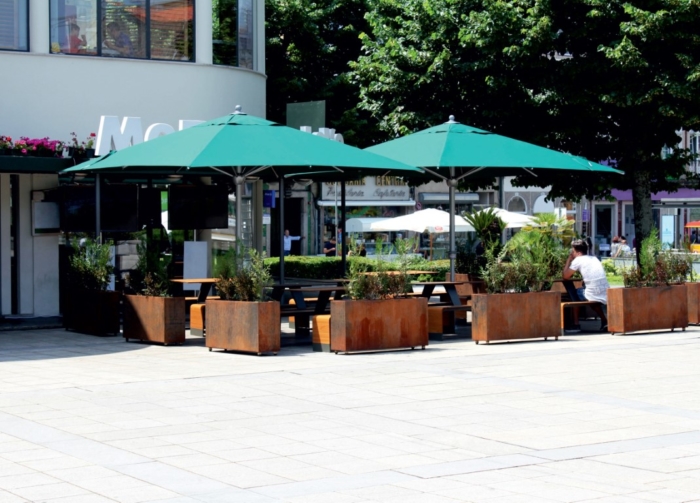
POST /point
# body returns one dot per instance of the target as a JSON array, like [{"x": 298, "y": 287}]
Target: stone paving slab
[{"x": 591, "y": 417}]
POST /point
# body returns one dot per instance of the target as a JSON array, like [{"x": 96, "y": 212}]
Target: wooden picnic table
[
  {"x": 449, "y": 286},
  {"x": 203, "y": 290},
  {"x": 324, "y": 296}
]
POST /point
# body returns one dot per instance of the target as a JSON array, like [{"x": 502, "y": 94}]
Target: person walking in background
[
  {"x": 288, "y": 242},
  {"x": 594, "y": 279}
]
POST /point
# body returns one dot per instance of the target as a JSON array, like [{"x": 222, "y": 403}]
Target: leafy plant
[
  {"x": 609, "y": 266},
  {"x": 658, "y": 266},
  {"x": 90, "y": 264},
  {"x": 467, "y": 261},
  {"x": 387, "y": 280},
  {"x": 488, "y": 226},
  {"x": 243, "y": 276},
  {"x": 152, "y": 274}
]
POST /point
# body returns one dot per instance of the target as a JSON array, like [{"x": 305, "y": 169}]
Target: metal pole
[
  {"x": 452, "y": 184},
  {"x": 335, "y": 215},
  {"x": 98, "y": 210},
  {"x": 281, "y": 230},
  {"x": 240, "y": 180},
  {"x": 343, "y": 240}
]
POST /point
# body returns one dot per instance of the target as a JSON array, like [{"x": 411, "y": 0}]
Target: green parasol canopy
[
  {"x": 468, "y": 150},
  {"x": 248, "y": 146},
  {"x": 453, "y": 151}
]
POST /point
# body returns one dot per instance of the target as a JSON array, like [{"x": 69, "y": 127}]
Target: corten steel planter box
[
  {"x": 93, "y": 312},
  {"x": 366, "y": 325},
  {"x": 154, "y": 319},
  {"x": 647, "y": 308},
  {"x": 693, "y": 302},
  {"x": 508, "y": 316},
  {"x": 251, "y": 327}
]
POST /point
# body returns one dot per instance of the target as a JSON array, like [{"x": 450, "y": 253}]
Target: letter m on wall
[{"x": 113, "y": 136}]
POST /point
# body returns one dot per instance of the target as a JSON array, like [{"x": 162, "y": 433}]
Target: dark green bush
[{"x": 301, "y": 267}]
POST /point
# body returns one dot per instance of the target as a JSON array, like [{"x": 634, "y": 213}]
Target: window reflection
[
  {"x": 124, "y": 28},
  {"x": 73, "y": 26},
  {"x": 13, "y": 25},
  {"x": 245, "y": 33},
  {"x": 171, "y": 30},
  {"x": 225, "y": 26},
  {"x": 156, "y": 29}
]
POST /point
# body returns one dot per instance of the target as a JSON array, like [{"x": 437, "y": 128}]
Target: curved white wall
[{"x": 53, "y": 95}]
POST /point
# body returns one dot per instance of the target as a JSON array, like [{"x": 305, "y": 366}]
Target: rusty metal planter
[
  {"x": 366, "y": 325},
  {"x": 154, "y": 319},
  {"x": 92, "y": 312},
  {"x": 251, "y": 327},
  {"x": 647, "y": 308},
  {"x": 693, "y": 303},
  {"x": 507, "y": 316}
]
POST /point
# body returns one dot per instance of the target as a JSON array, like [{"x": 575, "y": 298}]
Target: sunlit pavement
[{"x": 591, "y": 417}]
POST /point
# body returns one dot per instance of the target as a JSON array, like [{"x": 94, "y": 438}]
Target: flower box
[
  {"x": 647, "y": 308},
  {"x": 251, "y": 327},
  {"x": 509, "y": 316},
  {"x": 369, "y": 325},
  {"x": 154, "y": 319}
]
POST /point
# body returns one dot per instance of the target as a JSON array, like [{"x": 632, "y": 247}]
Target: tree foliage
[
  {"x": 609, "y": 80},
  {"x": 309, "y": 47}
]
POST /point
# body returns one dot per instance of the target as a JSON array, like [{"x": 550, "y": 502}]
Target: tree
[
  {"x": 608, "y": 80},
  {"x": 309, "y": 47}
]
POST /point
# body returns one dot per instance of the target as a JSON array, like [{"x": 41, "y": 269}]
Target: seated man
[
  {"x": 594, "y": 279},
  {"x": 121, "y": 43}
]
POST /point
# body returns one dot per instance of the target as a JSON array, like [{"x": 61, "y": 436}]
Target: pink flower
[{"x": 24, "y": 150}]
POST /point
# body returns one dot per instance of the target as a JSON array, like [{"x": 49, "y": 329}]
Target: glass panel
[
  {"x": 172, "y": 30},
  {"x": 225, "y": 23},
  {"x": 124, "y": 31},
  {"x": 245, "y": 34},
  {"x": 73, "y": 26},
  {"x": 13, "y": 25}
]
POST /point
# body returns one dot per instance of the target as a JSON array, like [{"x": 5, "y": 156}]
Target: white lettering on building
[
  {"x": 324, "y": 132},
  {"x": 111, "y": 135}
]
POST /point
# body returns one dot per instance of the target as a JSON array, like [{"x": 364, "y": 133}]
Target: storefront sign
[
  {"x": 371, "y": 188},
  {"x": 111, "y": 135}
]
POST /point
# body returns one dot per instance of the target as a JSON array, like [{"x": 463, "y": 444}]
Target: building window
[
  {"x": 517, "y": 205},
  {"x": 14, "y": 25},
  {"x": 234, "y": 33},
  {"x": 142, "y": 29}
]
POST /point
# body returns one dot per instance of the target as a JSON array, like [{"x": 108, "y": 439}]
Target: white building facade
[{"x": 66, "y": 63}]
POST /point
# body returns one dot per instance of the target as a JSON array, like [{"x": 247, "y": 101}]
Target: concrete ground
[{"x": 591, "y": 417}]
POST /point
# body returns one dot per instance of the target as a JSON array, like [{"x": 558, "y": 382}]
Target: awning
[
  {"x": 444, "y": 197},
  {"x": 357, "y": 225},
  {"x": 332, "y": 202}
]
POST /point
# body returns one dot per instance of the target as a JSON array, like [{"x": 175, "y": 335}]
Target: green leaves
[{"x": 90, "y": 264}]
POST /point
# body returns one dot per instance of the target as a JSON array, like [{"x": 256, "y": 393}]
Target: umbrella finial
[
  {"x": 452, "y": 120},
  {"x": 239, "y": 110}
]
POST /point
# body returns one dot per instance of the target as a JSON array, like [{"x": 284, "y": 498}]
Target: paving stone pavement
[{"x": 591, "y": 417}]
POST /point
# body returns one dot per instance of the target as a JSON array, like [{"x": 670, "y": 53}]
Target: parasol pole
[
  {"x": 282, "y": 230},
  {"x": 452, "y": 184}
]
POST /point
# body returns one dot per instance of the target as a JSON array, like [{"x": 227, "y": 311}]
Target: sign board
[
  {"x": 668, "y": 225},
  {"x": 268, "y": 198},
  {"x": 45, "y": 218},
  {"x": 308, "y": 113},
  {"x": 195, "y": 266},
  {"x": 371, "y": 188}
]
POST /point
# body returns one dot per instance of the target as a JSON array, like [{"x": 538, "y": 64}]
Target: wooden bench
[
  {"x": 321, "y": 333},
  {"x": 577, "y": 304},
  {"x": 442, "y": 319},
  {"x": 197, "y": 315}
]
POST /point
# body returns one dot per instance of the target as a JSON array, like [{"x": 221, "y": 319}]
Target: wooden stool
[
  {"x": 197, "y": 312},
  {"x": 321, "y": 333}
]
